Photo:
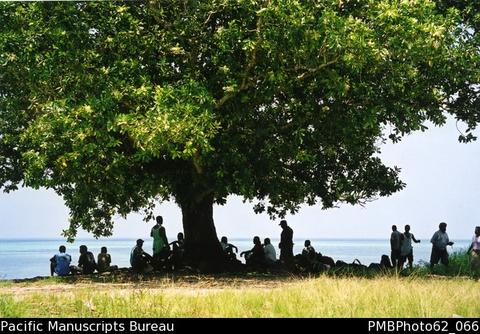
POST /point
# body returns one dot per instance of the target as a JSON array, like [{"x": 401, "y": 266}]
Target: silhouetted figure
[
  {"x": 161, "y": 249},
  {"x": 139, "y": 260},
  {"x": 440, "y": 242},
  {"x": 308, "y": 252},
  {"x": 178, "y": 251},
  {"x": 406, "y": 251},
  {"x": 395, "y": 246},
  {"x": 255, "y": 256},
  {"x": 60, "y": 263},
  {"x": 474, "y": 250},
  {"x": 86, "y": 262},
  {"x": 269, "y": 251},
  {"x": 104, "y": 260},
  {"x": 228, "y": 249},
  {"x": 307, "y": 260},
  {"x": 385, "y": 262},
  {"x": 286, "y": 243}
]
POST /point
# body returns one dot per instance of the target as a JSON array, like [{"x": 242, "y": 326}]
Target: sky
[{"x": 443, "y": 184}]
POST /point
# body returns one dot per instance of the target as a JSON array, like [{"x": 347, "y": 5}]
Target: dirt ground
[{"x": 120, "y": 281}]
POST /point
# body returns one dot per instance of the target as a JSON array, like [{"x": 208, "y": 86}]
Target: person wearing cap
[
  {"x": 286, "y": 243},
  {"x": 440, "y": 242},
  {"x": 474, "y": 250},
  {"x": 140, "y": 260}
]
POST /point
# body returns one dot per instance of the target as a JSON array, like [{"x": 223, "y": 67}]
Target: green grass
[
  {"x": 388, "y": 296},
  {"x": 10, "y": 308},
  {"x": 459, "y": 265}
]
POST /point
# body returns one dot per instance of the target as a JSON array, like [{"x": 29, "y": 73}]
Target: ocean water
[{"x": 30, "y": 258}]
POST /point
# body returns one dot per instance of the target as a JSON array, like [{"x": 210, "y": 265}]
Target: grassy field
[
  {"x": 323, "y": 296},
  {"x": 445, "y": 292}
]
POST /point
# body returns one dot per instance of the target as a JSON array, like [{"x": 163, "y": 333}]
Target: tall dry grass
[{"x": 388, "y": 296}]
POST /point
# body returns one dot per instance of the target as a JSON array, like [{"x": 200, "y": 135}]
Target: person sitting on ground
[
  {"x": 406, "y": 251},
  {"x": 104, "y": 260},
  {"x": 178, "y": 250},
  {"x": 440, "y": 241},
  {"x": 255, "y": 256},
  {"x": 140, "y": 260},
  {"x": 228, "y": 249},
  {"x": 86, "y": 262},
  {"x": 308, "y": 259},
  {"x": 60, "y": 263},
  {"x": 270, "y": 253},
  {"x": 385, "y": 262},
  {"x": 474, "y": 250},
  {"x": 308, "y": 252}
]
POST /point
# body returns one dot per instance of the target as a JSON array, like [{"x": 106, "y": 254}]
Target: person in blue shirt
[{"x": 60, "y": 263}]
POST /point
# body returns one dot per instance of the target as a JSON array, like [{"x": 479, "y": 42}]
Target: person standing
[
  {"x": 395, "y": 246},
  {"x": 160, "y": 241},
  {"x": 406, "y": 251},
  {"x": 60, "y": 263},
  {"x": 474, "y": 250},
  {"x": 440, "y": 241},
  {"x": 286, "y": 243}
]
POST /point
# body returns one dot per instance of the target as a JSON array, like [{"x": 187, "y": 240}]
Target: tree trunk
[{"x": 202, "y": 248}]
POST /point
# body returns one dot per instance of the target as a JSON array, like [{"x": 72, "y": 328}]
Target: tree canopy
[{"x": 119, "y": 105}]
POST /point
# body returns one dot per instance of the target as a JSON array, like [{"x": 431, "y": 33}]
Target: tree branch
[
  {"x": 246, "y": 81},
  {"x": 312, "y": 71}
]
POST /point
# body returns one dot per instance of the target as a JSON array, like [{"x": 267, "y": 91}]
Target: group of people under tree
[
  {"x": 171, "y": 255},
  {"x": 263, "y": 255},
  {"x": 165, "y": 255},
  {"x": 60, "y": 263}
]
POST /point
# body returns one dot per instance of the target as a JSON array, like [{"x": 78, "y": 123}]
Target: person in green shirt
[{"x": 161, "y": 249}]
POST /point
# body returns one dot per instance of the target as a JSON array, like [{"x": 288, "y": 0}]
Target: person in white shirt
[
  {"x": 474, "y": 250},
  {"x": 406, "y": 250},
  {"x": 440, "y": 242},
  {"x": 228, "y": 249},
  {"x": 270, "y": 253}
]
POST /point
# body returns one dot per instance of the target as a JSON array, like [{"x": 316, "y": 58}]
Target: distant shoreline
[{"x": 230, "y": 238}]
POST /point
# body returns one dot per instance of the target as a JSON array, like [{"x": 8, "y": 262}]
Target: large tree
[{"x": 117, "y": 106}]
